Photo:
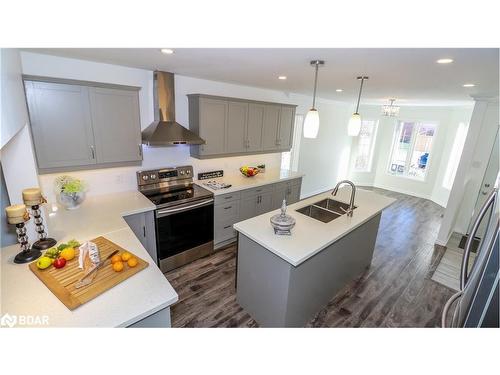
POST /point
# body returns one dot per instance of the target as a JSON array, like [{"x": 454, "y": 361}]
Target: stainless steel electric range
[{"x": 184, "y": 215}]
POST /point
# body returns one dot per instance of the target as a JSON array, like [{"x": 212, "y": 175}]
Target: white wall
[
  {"x": 447, "y": 118},
  {"x": 325, "y": 151},
  {"x": 14, "y": 115}
]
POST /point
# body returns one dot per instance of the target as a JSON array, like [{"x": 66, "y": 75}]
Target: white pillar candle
[
  {"x": 32, "y": 196},
  {"x": 16, "y": 213}
]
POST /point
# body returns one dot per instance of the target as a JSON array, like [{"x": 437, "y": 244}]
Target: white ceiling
[{"x": 410, "y": 75}]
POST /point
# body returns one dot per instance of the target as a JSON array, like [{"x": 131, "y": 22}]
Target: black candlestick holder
[
  {"x": 27, "y": 253},
  {"x": 43, "y": 242}
]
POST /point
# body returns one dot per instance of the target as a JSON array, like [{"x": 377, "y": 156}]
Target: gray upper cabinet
[
  {"x": 237, "y": 116},
  {"x": 210, "y": 125},
  {"x": 254, "y": 127},
  {"x": 82, "y": 125},
  {"x": 61, "y": 124},
  {"x": 115, "y": 115},
  {"x": 271, "y": 127},
  {"x": 285, "y": 133},
  {"x": 232, "y": 126}
]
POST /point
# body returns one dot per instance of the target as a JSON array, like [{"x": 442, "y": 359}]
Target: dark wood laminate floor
[{"x": 396, "y": 291}]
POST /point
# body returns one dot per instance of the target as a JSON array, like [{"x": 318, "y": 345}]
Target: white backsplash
[{"x": 110, "y": 180}]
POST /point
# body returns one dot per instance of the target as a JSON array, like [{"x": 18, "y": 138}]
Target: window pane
[
  {"x": 421, "y": 151},
  {"x": 364, "y": 148},
  {"x": 401, "y": 148}
]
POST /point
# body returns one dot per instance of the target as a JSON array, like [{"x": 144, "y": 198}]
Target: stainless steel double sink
[{"x": 325, "y": 210}]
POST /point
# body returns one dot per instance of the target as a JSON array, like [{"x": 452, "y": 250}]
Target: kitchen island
[
  {"x": 282, "y": 281},
  {"x": 142, "y": 300}
]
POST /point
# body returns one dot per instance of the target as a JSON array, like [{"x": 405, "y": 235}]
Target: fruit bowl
[{"x": 249, "y": 171}]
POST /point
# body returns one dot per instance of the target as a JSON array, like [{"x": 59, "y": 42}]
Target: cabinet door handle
[
  {"x": 228, "y": 207},
  {"x": 140, "y": 150},
  {"x": 227, "y": 226},
  {"x": 92, "y": 151},
  {"x": 228, "y": 197},
  {"x": 144, "y": 231}
]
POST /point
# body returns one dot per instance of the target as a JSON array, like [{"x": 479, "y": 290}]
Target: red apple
[{"x": 59, "y": 263}]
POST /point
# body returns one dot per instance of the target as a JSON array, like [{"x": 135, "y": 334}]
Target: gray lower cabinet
[
  {"x": 79, "y": 126},
  {"x": 242, "y": 205},
  {"x": 115, "y": 115},
  {"x": 143, "y": 226},
  {"x": 61, "y": 124},
  {"x": 232, "y": 126}
]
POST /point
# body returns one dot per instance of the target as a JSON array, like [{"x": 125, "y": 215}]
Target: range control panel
[{"x": 164, "y": 175}]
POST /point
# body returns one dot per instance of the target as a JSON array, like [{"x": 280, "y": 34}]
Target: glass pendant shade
[
  {"x": 354, "y": 126},
  {"x": 311, "y": 124}
]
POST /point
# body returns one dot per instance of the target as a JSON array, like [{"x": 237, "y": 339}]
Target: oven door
[{"x": 184, "y": 233}]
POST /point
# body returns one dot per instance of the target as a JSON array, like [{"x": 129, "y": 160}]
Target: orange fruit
[
  {"x": 116, "y": 258},
  {"x": 132, "y": 262},
  {"x": 126, "y": 256},
  {"x": 118, "y": 266}
]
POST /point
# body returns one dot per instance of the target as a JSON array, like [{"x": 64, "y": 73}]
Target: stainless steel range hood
[{"x": 165, "y": 131}]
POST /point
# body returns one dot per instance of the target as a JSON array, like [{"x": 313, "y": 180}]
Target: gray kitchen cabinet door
[
  {"x": 264, "y": 203},
  {"x": 143, "y": 226},
  {"x": 294, "y": 194},
  {"x": 270, "y": 127},
  {"x": 61, "y": 124},
  {"x": 285, "y": 136},
  {"x": 278, "y": 196},
  {"x": 248, "y": 207},
  {"x": 254, "y": 127},
  {"x": 237, "y": 116},
  {"x": 116, "y": 123},
  {"x": 213, "y": 120}
]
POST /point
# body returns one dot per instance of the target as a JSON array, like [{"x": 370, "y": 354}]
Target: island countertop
[
  {"x": 310, "y": 236},
  {"x": 137, "y": 297},
  {"x": 240, "y": 182}
]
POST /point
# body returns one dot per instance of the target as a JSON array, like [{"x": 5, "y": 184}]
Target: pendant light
[
  {"x": 311, "y": 123},
  {"x": 354, "y": 126},
  {"x": 390, "y": 110}
]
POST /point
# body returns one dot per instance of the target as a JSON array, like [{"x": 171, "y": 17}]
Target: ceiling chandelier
[
  {"x": 311, "y": 123},
  {"x": 354, "y": 126},
  {"x": 390, "y": 110}
]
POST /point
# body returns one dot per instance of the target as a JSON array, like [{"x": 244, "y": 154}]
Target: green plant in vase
[{"x": 70, "y": 191}]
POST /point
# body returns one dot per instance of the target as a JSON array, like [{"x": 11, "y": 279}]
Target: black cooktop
[{"x": 171, "y": 198}]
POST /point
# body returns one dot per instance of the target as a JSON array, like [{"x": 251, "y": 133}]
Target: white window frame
[
  {"x": 395, "y": 138},
  {"x": 293, "y": 164},
  {"x": 368, "y": 169}
]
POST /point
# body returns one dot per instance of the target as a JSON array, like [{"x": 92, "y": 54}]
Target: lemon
[
  {"x": 68, "y": 253},
  {"x": 44, "y": 262}
]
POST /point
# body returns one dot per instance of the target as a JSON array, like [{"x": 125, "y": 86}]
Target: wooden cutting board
[{"x": 62, "y": 281}]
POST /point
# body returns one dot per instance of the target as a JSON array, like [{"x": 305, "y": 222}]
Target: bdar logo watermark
[{"x": 11, "y": 321}]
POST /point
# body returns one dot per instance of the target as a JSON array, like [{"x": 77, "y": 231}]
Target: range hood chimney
[{"x": 165, "y": 131}]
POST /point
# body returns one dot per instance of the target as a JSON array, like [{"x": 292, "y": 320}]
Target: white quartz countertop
[
  {"x": 137, "y": 297},
  {"x": 240, "y": 182},
  {"x": 310, "y": 236}
]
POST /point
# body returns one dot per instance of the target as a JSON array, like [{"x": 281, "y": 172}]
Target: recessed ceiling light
[
  {"x": 444, "y": 61},
  {"x": 167, "y": 51},
  {"x": 468, "y": 85},
  {"x": 339, "y": 90},
  {"x": 282, "y": 77}
]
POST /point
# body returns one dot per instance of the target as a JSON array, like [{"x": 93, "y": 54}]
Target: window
[
  {"x": 456, "y": 152},
  {"x": 290, "y": 159},
  {"x": 411, "y": 149},
  {"x": 366, "y": 142}
]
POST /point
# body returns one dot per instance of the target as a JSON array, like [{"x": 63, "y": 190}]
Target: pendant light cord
[
  {"x": 359, "y": 96},
  {"x": 315, "y": 84}
]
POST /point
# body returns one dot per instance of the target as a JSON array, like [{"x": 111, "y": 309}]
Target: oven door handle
[{"x": 171, "y": 211}]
